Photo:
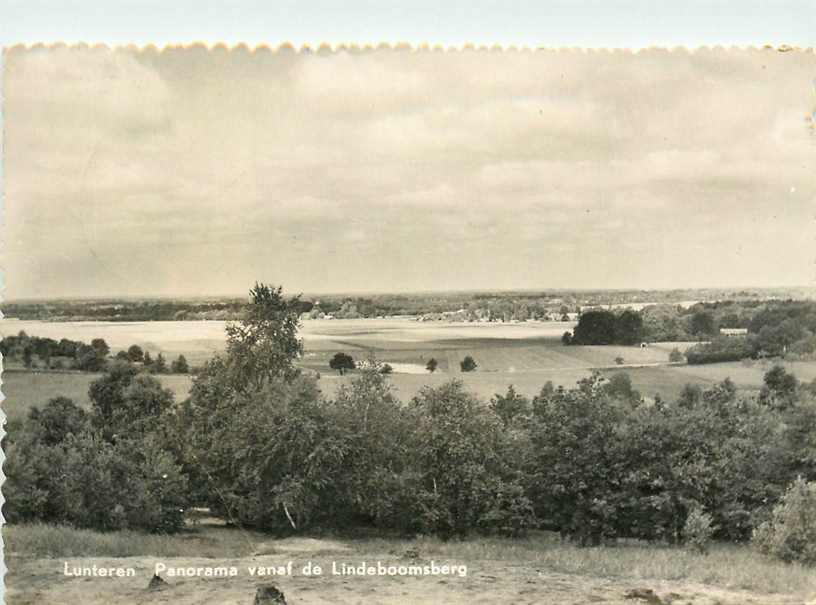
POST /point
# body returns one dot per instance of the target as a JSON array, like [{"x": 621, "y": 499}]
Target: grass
[
  {"x": 40, "y": 540},
  {"x": 726, "y": 566},
  {"x": 24, "y": 389}
]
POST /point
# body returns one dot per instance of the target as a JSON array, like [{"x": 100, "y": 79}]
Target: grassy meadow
[{"x": 525, "y": 355}]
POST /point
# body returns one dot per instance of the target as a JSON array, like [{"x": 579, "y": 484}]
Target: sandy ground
[{"x": 42, "y": 582}]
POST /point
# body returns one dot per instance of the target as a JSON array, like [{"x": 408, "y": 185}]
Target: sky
[{"x": 192, "y": 172}]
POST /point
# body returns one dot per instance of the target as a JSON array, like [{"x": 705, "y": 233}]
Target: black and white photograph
[{"x": 406, "y": 324}]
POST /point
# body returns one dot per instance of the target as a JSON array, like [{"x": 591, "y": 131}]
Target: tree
[
  {"x": 779, "y": 389},
  {"x": 342, "y": 362},
  {"x": 147, "y": 360},
  {"x": 89, "y": 359},
  {"x": 432, "y": 365},
  {"x": 595, "y": 328},
  {"x": 107, "y": 392},
  {"x": 573, "y": 476},
  {"x": 463, "y": 459},
  {"x": 676, "y": 356},
  {"x": 790, "y": 533},
  {"x": 135, "y": 354},
  {"x": 101, "y": 347},
  {"x": 28, "y": 359},
  {"x": 179, "y": 366},
  {"x": 386, "y": 369},
  {"x": 59, "y": 418},
  {"x": 628, "y": 328},
  {"x": 511, "y": 406},
  {"x": 159, "y": 366},
  {"x": 566, "y": 338},
  {"x": 468, "y": 364},
  {"x": 619, "y": 387},
  {"x": 264, "y": 344},
  {"x": 702, "y": 324}
]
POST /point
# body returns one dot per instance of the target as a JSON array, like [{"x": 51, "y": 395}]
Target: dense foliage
[
  {"x": 111, "y": 468},
  {"x": 790, "y": 532},
  {"x": 260, "y": 445},
  {"x": 607, "y": 328}
]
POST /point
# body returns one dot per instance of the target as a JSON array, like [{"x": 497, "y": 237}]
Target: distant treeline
[
  {"x": 461, "y": 306},
  {"x": 773, "y": 328},
  {"x": 35, "y": 352}
]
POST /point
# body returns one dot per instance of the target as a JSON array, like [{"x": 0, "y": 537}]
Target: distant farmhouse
[{"x": 734, "y": 331}]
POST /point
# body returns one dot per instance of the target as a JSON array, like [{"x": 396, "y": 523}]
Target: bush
[
  {"x": 790, "y": 533},
  {"x": 698, "y": 529},
  {"x": 510, "y": 513},
  {"x": 721, "y": 349},
  {"x": 468, "y": 364},
  {"x": 676, "y": 356}
]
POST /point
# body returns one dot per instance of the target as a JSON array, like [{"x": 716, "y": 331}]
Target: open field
[
  {"x": 23, "y": 389},
  {"x": 539, "y": 569},
  {"x": 526, "y": 355}
]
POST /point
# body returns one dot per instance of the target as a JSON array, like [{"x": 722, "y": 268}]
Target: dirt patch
[{"x": 41, "y": 582}]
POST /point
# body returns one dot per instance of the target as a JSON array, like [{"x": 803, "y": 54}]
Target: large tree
[{"x": 264, "y": 344}]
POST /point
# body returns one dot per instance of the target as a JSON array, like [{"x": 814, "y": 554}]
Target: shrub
[
  {"x": 790, "y": 533},
  {"x": 510, "y": 513},
  {"x": 468, "y": 364},
  {"x": 698, "y": 530},
  {"x": 676, "y": 356},
  {"x": 721, "y": 349}
]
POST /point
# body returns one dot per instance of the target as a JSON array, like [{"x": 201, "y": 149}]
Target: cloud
[{"x": 160, "y": 172}]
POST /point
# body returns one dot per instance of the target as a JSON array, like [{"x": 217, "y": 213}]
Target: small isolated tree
[
  {"x": 179, "y": 366},
  {"x": 432, "y": 365},
  {"x": 147, "y": 360},
  {"x": 342, "y": 362},
  {"x": 468, "y": 364},
  {"x": 698, "y": 529},
  {"x": 566, "y": 338},
  {"x": 790, "y": 533},
  {"x": 676, "y": 356},
  {"x": 386, "y": 369},
  {"x": 135, "y": 353},
  {"x": 619, "y": 360}
]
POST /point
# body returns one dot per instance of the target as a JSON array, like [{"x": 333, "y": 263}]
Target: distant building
[{"x": 734, "y": 331}]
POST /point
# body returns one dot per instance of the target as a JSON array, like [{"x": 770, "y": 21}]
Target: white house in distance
[{"x": 734, "y": 331}]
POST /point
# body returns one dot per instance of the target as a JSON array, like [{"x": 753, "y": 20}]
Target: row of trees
[
  {"x": 34, "y": 351},
  {"x": 343, "y": 362},
  {"x": 159, "y": 365}
]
